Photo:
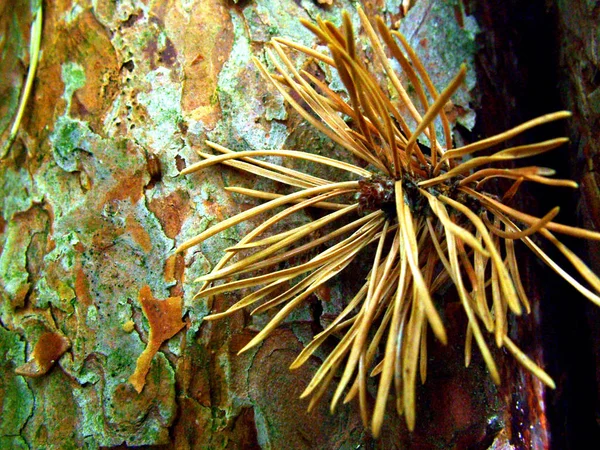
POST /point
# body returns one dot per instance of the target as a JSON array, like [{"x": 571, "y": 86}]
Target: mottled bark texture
[{"x": 92, "y": 207}]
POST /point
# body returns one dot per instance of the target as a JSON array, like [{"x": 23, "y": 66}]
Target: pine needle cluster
[{"x": 425, "y": 213}]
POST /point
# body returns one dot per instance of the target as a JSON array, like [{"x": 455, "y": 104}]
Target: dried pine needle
[
  {"x": 425, "y": 213},
  {"x": 34, "y": 51}
]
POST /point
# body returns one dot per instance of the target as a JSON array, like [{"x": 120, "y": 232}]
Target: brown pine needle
[
  {"x": 435, "y": 109},
  {"x": 534, "y": 228},
  {"x": 428, "y": 219},
  {"x": 262, "y": 208},
  {"x": 271, "y": 196},
  {"x": 494, "y": 140},
  {"x": 531, "y": 220},
  {"x": 523, "y": 151},
  {"x": 430, "y": 87},
  {"x": 34, "y": 55},
  {"x": 283, "y": 175},
  {"x": 300, "y": 232},
  {"x": 285, "y": 153},
  {"x": 528, "y": 363}
]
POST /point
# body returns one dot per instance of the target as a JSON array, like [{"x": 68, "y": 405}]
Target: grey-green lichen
[
  {"x": 16, "y": 188},
  {"x": 73, "y": 77},
  {"x": 16, "y": 398}
]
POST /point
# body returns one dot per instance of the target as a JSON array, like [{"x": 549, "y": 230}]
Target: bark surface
[{"x": 92, "y": 208}]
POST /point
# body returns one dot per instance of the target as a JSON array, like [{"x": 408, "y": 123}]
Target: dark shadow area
[{"x": 518, "y": 74}]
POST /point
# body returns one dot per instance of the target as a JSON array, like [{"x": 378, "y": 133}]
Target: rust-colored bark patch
[
  {"x": 82, "y": 288},
  {"x": 205, "y": 42},
  {"x": 164, "y": 317},
  {"x": 139, "y": 234},
  {"x": 86, "y": 43},
  {"x": 131, "y": 187},
  {"x": 104, "y": 233},
  {"x": 171, "y": 211},
  {"x": 96, "y": 54},
  {"x": 49, "y": 347}
]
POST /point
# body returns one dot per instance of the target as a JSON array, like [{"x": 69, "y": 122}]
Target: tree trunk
[{"x": 93, "y": 208}]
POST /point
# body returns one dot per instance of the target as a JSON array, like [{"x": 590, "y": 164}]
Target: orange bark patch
[
  {"x": 174, "y": 272},
  {"x": 86, "y": 43},
  {"x": 205, "y": 42},
  {"x": 82, "y": 290},
  {"x": 97, "y": 56},
  {"x": 129, "y": 186},
  {"x": 139, "y": 234},
  {"x": 171, "y": 211},
  {"x": 49, "y": 347},
  {"x": 104, "y": 235},
  {"x": 164, "y": 317},
  {"x": 170, "y": 268}
]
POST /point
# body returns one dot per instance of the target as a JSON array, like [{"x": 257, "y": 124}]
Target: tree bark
[{"x": 93, "y": 208}]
